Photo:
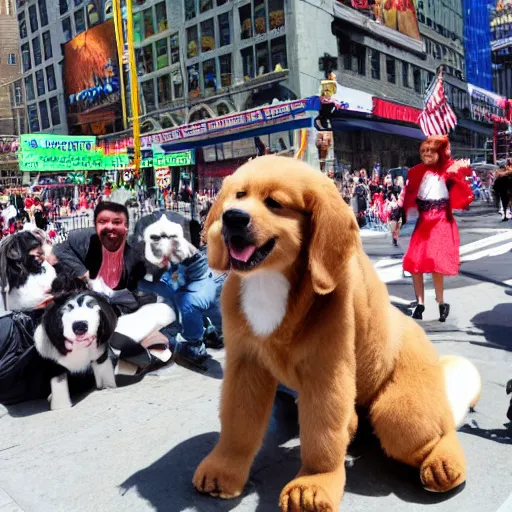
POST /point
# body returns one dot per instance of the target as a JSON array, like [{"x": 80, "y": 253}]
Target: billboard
[
  {"x": 91, "y": 81},
  {"x": 399, "y": 15}
]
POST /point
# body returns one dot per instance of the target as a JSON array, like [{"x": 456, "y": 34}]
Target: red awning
[{"x": 395, "y": 111}]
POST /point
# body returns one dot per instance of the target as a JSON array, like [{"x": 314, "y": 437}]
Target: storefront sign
[
  {"x": 180, "y": 159},
  {"x": 395, "y": 111},
  {"x": 62, "y": 143},
  {"x": 499, "y": 44},
  {"x": 346, "y": 98},
  {"x": 486, "y": 106},
  {"x": 222, "y": 125}
]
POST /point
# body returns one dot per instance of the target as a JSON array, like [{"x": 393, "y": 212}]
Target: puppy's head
[
  {"x": 165, "y": 241},
  {"x": 79, "y": 321},
  {"x": 276, "y": 211}
]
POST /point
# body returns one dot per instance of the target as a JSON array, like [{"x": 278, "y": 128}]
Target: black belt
[{"x": 426, "y": 205}]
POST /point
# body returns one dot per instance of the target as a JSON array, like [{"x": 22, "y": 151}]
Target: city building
[
  {"x": 501, "y": 46},
  {"x": 477, "y": 42}
]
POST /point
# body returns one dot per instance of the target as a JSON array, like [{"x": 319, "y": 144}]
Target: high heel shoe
[
  {"x": 444, "y": 311},
  {"x": 418, "y": 312}
]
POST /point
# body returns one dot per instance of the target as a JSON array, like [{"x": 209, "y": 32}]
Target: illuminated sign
[{"x": 62, "y": 143}]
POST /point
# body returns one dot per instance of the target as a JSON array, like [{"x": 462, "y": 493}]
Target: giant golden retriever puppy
[{"x": 303, "y": 306}]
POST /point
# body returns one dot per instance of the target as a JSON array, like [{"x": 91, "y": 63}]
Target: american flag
[{"x": 437, "y": 117}]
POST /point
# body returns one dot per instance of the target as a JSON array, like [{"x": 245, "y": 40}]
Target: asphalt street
[{"x": 136, "y": 448}]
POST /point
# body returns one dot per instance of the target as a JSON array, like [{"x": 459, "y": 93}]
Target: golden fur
[{"x": 341, "y": 342}]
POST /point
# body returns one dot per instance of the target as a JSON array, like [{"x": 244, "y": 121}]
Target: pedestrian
[{"x": 435, "y": 187}]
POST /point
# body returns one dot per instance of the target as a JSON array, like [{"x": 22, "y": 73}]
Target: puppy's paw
[
  {"x": 441, "y": 475},
  {"x": 219, "y": 478},
  {"x": 304, "y": 494},
  {"x": 57, "y": 405}
]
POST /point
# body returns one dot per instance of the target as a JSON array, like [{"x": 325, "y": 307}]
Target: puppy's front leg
[
  {"x": 104, "y": 374},
  {"x": 326, "y": 412},
  {"x": 60, "y": 398},
  {"x": 248, "y": 392}
]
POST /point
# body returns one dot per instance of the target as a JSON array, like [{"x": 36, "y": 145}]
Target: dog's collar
[{"x": 103, "y": 357}]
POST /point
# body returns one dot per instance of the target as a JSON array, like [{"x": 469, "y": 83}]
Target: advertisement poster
[
  {"x": 399, "y": 15},
  {"x": 91, "y": 81},
  {"x": 486, "y": 106}
]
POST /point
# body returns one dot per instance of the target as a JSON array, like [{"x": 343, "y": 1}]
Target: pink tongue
[{"x": 242, "y": 254}]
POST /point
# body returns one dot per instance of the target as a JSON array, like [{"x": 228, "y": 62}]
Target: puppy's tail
[{"x": 463, "y": 385}]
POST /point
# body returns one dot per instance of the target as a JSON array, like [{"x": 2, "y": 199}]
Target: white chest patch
[
  {"x": 264, "y": 301},
  {"x": 433, "y": 187}
]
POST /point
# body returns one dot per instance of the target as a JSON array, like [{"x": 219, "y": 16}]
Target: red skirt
[{"x": 434, "y": 244}]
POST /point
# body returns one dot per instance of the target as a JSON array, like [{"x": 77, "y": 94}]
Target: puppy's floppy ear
[
  {"x": 218, "y": 256},
  {"x": 52, "y": 323},
  {"x": 334, "y": 236},
  {"x": 108, "y": 319}
]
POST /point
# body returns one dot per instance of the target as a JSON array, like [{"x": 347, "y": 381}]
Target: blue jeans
[{"x": 198, "y": 299}]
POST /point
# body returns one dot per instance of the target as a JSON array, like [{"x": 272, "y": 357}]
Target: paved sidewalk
[{"x": 136, "y": 448}]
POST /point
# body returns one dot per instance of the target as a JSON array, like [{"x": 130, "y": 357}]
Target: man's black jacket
[{"x": 82, "y": 253}]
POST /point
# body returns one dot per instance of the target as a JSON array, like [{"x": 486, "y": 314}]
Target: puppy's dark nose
[
  {"x": 236, "y": 219},
  {"x": 80, "y": 328}
]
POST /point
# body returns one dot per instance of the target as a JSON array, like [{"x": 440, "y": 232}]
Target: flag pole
[{"x": 118, "y": 27}]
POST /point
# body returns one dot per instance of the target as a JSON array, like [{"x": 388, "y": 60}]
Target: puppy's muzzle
[
  {"x": 236, "y": 223},
  {"x": 80, "y": 328}
]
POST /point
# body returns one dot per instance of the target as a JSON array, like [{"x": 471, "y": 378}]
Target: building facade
[{"x": 501, "y": 46}]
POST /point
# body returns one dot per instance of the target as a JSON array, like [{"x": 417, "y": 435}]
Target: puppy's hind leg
[
  {"x": 60, "y": 399},
  {"x": 413, "y": 420},
  {"x": 104, "y": 374}
]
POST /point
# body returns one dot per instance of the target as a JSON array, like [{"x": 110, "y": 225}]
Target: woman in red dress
[{"x": 435, "y": 187}]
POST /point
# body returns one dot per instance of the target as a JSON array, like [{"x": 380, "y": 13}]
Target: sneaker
[
  {"x": 444, "y": 311},
  {"x": 418, "y": 312},
  {"x": 395, "y": 242},
  {"x": 194, "y": 351}
]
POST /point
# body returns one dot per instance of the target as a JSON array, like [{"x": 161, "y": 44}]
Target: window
[
  {"x": 11, "y": 59},
  {"x": 190, "y": 9},
  {"x": 43, "y": 14},
  {"x": 149, "y": 26},
  {"x": 375, "y": 63},
  {"x": 175, "y": 49},
  {"x": 40, "y": 83},
  {"x": 138, "y": 28},
  {"x": 275, "y": 14},
  {"x": 224, "y": 30},
  {"x": 50, "y": 78},
  {"x": 209, "y": 77},
  {"x": 93, "y": 17},
  {"x": 248, "y": 62},
  {"x": 207, "y": 36},
  {"x": 161, "y": 17},
  {"x": 63, "y": 7},
  {"x": 43, "y": 111},
  {"x": 278, "y": 53},
  {"x": 147, "y": 59},
  {"x": 78, "y": 2},
  {"x": 221, "y": 2},
  {"x": 416, "y": 75},
  {"x": 164, "y": 89},
  {"x": 355, "y": 59},
  {"x": 162, "y": 55},
  {"x": 79, "y": 21},
  {"x": 36, "y": 51},
  {"x": 22, "y": 22},
  {"x": 262, "y": 58},
  {"x": 18, "y": 96},
  {"x": 66, "y": 29},
  {"x": 29, "y": 88},
  {"x": 245, "y": 21},
  {"x": 25, "y": 55},
  {"x": 405, "y": 74},
  {"x": 226, "y": 77},
  {"x": 32, "y": 14},
  {"x": 148, "y": 94},
  {"x": 47, "y": 45},
  {"x": 177, "y": 83},
  {"x": 33, "y": 120},
  {"x": 205, "y": 5},
  {"x": 54, "y": 110},
  {"x": 193, "y": 81},
  {"x": 391, "y": 69},
  {"x": 192, "y": 50},
  {"x": 260, "y": 19}
]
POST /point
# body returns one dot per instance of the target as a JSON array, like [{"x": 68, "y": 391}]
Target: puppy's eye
[
  {"x": 272, "y": 203},
  {"x": 239, "y": 195},
  {"x": 155, "y": 238}
]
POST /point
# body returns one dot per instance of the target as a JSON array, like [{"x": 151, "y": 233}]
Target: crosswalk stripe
[
  {"x": 484, "y": 242},
  {"x": 493, "y": 251}
]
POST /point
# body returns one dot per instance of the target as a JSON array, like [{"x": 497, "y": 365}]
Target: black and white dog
[
  {"x": 509, "y": 391},
  {"x": 74, "y": 333}
]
